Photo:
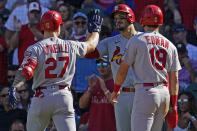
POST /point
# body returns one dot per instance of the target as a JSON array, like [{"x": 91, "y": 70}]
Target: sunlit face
[
  {"x": 34, "y": 17},
  {"x": 104, "y": 68},
  {"x": 183, "y": 103},
  {"x": 64, "y": 12},
  {"x": 120, "y": 20},
  {"x": 80, "y": 25},
  {"x": 23, "y": 93}
]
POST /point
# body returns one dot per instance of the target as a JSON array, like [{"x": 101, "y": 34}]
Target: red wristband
[
  {"x": 116, "y": 88},
  {"x": 173, "y": 99}
]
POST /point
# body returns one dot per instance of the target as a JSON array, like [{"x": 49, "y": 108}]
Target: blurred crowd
[{"x": 20, "y": 27}]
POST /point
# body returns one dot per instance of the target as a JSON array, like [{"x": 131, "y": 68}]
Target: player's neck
[
  {"x": 50, "y": 34},
  {"x": 147, "y": 28},
  {"x": 129, "y": 32}
]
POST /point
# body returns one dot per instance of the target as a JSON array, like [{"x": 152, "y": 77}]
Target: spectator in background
[
  {"x": 187, "y": 112},
  {"x": 48, "y": 3},
  {"x": 67, "y": 15},
  {"x": 97, "y": 95},
  {"x": 17, "y": 125},
  {"x": 80, "y": 33},
  {"x": 195, "y": 26},
  {"x": 87, "y": 5},
  {"x": 7, "y": 114},
  {"x": 59, "y": 2},
  {"x": 188, "y": 10},
  {"x": 25, "y": 97},
  {"x": 3, "y": 11},
  {"x": 29, "y": 33},
  {"x": 12, "y": 4},
  {"x": 189, "y": 66},
  {"x": 179, "y": 36},
  {"x": 3, "y": 61},
  {"x": 19, "y": 14},
  {"x": 163, "y": 4},
  {"x": 11, "y": 74}
]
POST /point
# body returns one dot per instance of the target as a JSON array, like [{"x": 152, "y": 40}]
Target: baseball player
[
  {"x": 114, "y": 48},
  {"x": 153, "y": 58},
  {"x": 52, "y": 61}
]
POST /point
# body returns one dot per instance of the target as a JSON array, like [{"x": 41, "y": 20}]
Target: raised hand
[
  {"x": 17, "y": 24},
  {"x": 114, "y": 96},
  {"x": 94, "y": 21},
  {"x": 92, "y": 81}
]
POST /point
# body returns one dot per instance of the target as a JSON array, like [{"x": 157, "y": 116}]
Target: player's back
[
  {"x": 155, "y": 57},
  {"x": 56, "y": 61}
]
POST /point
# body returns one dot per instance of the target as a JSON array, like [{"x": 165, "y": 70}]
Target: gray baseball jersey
[
  {"x": 152, "y": 56},
  {"x": 114, "y": 47},
  {"x": 56, "y": 61}
]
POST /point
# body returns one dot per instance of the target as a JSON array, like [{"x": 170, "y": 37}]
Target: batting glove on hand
[
  {"x": 12, "y": 97},
  {"x": 94, "y": 21}
]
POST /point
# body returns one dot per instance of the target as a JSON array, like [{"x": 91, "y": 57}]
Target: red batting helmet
[
  {"x": 152, "y": 15},
  {"x": 51, "y": 20},
  {"x": 126, "y": 9}
]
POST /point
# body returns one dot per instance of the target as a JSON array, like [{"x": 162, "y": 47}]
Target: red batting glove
[{"x": 172, "y": 118}]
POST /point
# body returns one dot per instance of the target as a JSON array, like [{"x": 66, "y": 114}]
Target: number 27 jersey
[
  {"x": 56, "y": 60},
  {"x": 152, "y": 57}
]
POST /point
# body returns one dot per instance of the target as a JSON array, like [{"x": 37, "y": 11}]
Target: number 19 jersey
[
  {"x": 56, "y": 60},
  {"x": 152, "y": 56}
]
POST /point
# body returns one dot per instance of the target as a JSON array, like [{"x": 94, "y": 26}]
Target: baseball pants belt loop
[
  {"x": 154, "y": 84},
  {"x": 125, "y": 89}
]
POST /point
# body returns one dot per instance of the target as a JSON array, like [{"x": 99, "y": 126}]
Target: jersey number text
[
  {"x": 53, "y": 67},
  {"x": 161, "y": 55}
]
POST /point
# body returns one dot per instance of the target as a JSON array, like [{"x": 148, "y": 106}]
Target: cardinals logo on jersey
[{"x": 116, "y": 56}]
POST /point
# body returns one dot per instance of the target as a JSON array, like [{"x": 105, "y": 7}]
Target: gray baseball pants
[
  {"x": 150, "y": 106},
  {"x": 123, "y": 111},
  {"x": 57, "y": 104}
]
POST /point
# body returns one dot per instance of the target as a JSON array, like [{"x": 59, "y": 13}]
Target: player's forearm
[
  {"x": 173, "y": 83},
  {"x": 85, "y": 99},
  {"x": 92, "y": 41},
  {"x": 14, "y": 41},
  {"x": 19, "y": 80},
  {"x": 122, "y": 73}
]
